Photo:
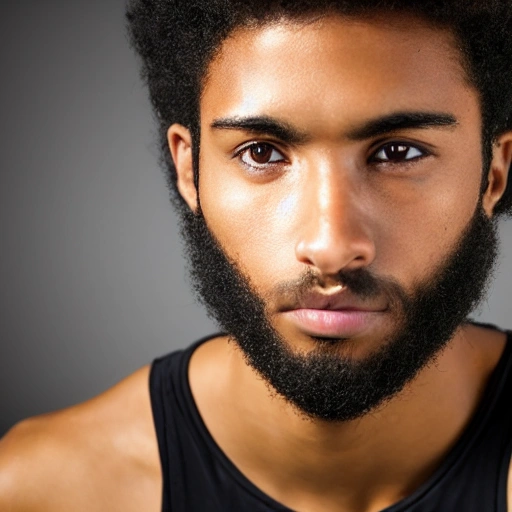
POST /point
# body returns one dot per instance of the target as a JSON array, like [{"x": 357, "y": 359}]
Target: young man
[{"x": 339, "y": 168}]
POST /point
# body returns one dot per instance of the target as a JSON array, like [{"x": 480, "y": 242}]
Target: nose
[{"x": 335, "y": 230}]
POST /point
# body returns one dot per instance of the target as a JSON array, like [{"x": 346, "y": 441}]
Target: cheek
[
  {"x": 415, "y": 239},
  {"x": 253, "y": 223}
]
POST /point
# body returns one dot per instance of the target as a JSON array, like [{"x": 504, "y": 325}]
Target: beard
[{"x": 323, "y": 383}]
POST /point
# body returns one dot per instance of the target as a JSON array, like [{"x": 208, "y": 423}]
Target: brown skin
[
  {"x": 97, "y": 456},
  {"x": 321, "y": 208}
]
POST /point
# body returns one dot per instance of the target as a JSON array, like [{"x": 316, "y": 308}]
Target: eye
[
  {"x": 397, "y": 152},
  {"x": 260, "y": 154}
]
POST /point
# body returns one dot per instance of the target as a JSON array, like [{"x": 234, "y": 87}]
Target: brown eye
[
  {"x": 397, "y": 153},
  {"x": 260, "y": 154}
]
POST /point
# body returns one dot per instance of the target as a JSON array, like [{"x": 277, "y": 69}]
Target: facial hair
[{"x": 323, "y": 384}]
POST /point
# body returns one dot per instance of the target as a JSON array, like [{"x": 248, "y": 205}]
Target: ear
[
  {"x": 180, "y": 145},
  {"x": 498, "y": 172}
]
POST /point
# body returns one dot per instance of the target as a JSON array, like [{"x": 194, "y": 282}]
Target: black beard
[{"x": 323, "y": 384}]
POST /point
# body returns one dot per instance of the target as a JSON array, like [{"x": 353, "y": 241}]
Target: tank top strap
[{"x": 171, "y": 415}]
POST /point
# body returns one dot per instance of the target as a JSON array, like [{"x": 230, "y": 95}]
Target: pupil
[
  {"x": 261, "y": 153},
  {"x": 397, "y": 152}
]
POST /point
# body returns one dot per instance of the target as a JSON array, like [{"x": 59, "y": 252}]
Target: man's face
[{"x": 340, "y": 174}]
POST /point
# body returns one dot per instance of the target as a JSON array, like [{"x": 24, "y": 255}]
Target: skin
[{"x": 325, "y": 206}]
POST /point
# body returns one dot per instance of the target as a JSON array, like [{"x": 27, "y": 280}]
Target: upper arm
[
  {"x": 40, "y": 464},
  {"x": 20, "y": 476},
  {"x": 99, "y": 455}
]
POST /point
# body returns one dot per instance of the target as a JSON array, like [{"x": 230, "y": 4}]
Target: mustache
[{"x": 360, "y": 282}]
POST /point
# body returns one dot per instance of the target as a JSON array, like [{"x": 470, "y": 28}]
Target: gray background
[{"x": 92, "y": 281}]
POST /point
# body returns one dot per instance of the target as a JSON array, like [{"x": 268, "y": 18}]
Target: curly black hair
[{"x": 177, "y": 39}]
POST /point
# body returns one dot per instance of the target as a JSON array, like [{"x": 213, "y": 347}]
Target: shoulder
[{"x": 94, "y": 456}]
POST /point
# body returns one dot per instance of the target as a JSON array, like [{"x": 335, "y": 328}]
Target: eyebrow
[
  {"x": 263, "y": 125},
  {"x": 401, "y": 121},
  {"x": 266, "y": 125}
]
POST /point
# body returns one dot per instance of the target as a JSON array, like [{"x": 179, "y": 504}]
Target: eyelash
[
  {"x": 421, "y": 153},
  {"x": 255, "y": 165},
  {"x": 373, "y": 160}
]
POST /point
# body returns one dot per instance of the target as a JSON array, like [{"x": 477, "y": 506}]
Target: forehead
[{"x": 335, "y": 66}]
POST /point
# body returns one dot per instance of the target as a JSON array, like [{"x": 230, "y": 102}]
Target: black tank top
[{"x": 198, "y": 476}]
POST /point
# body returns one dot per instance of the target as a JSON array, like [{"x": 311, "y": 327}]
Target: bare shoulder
[{"x": 99, "y": 455}]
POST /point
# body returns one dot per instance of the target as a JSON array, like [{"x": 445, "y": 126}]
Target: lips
[{"x": 335, "y": 315}]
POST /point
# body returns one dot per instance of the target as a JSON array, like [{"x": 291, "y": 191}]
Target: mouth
[
  {"x": 343, "y": 323},
  {"x": 338, "y": 315}
]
